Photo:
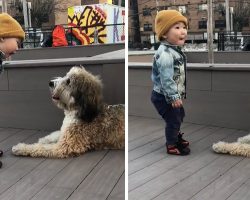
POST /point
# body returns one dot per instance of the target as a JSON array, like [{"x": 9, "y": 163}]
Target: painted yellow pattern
[{"x": 89, "y": 22}]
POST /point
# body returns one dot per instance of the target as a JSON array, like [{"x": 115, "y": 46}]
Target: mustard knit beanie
[
  {"x": 10, "y": 28},
  {"x": 165, "y": 19}
]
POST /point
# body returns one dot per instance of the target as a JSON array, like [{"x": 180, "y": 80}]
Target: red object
[{"x": 59, "y": 37}]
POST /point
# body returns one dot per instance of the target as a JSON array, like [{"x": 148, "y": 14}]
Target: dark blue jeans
[{"x": 172, "y": 116}]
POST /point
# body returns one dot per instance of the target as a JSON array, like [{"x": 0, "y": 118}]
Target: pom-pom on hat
[
  {"x": 165, "y": 19},
  {"x": 10, "y": 28}
]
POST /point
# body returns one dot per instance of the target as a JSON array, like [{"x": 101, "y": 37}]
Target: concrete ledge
[
  {"x": 197, "y": 66},
  {"x": 117, "y": 56},
  {"x": 235, "y": 57},
  {"x": 25, "y": 100},
  {"x": 217, "y": 95},
  {"x": 66, "y": 52}
]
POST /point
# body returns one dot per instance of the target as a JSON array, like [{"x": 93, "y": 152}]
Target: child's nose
[{"x": 184, "y": 31}]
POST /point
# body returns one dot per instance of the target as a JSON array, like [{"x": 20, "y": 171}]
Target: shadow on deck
[
  {"x": 94, "y": 175},
  {"x": 203, "y": 174}
]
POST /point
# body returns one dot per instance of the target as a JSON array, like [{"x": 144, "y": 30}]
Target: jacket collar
[
  {"x": 176, "y": 47},
  {"x": 168, "y": 44}
]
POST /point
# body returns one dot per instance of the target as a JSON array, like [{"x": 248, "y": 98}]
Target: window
[
  {"x": 146, "y": 11},
  {"x": 220, "y": 24},
  {"x": 202, "y": 7},
  {"x": 182, "y": 9},
  {"x": 147, "y": 27},
  {"x": 203, "y": 24}
]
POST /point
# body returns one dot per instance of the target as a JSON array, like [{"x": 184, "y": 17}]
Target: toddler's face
[
  {"x": 177, "y": 34},
  {"x": 9, "y": 46}
]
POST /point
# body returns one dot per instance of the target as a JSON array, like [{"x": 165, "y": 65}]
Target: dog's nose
[{"x": 51, "y": 84}]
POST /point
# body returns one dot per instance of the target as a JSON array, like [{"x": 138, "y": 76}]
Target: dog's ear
[
  {"x": 89, "y": 112},
  {"x": 88, "y": 108}
]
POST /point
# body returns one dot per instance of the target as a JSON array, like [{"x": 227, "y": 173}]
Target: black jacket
[{"x": 1, "y": 61}]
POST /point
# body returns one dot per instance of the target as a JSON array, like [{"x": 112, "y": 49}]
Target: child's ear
[{"x": 1, "y": 39}]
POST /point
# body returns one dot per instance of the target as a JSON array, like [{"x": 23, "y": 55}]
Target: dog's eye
[{"x": 68, "y": 81}]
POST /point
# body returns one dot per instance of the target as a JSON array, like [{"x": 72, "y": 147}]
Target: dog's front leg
[
  {"x": 235, "y": 148},
  {"x": 245, "y": 139},
  {"x": 51, "y": 138},
  {"x": 38, "y": 150}
]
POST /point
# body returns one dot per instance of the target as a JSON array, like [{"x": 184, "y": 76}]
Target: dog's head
[{"x": 78, "y": 91}]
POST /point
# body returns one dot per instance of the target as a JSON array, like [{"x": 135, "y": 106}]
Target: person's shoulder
[{"x": 163, "y": 48}]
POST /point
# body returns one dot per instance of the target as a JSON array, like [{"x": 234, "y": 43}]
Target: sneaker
[
  {"x": 177, "y": 149},
  {"x": 183, "y": 142}
]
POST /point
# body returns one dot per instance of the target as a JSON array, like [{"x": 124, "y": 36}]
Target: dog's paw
[
  {"x": 245, "y": 139},
  {"x": 18, "y": 149},
  {"x": 220, "y": 147}
]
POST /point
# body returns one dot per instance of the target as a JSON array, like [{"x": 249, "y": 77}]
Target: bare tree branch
[
  {"x": 241, "y": 13},
  {"x": 40, "y": 10}
]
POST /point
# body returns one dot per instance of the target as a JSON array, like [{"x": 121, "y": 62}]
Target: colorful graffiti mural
[{"x": 96, "y": 23}]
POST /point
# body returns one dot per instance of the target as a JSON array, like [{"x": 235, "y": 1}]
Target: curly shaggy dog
[
  {"x": 241, "y": 147},
  {"x": 88, "y": 123}
]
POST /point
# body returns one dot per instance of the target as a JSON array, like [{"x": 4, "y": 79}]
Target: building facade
[
  {"x": 196, "y": 13},
  {"x": 133, "y": 23},
  {"x": 60, "y": 13}
]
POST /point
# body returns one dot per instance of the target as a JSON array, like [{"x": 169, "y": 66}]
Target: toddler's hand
[{"x": 177, "y": 103}]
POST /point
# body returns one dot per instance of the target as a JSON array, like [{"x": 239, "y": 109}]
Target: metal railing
[{"x": 233, "y": 41}]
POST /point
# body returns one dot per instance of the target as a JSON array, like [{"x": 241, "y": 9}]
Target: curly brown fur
[{"x": 88, "y": 123}]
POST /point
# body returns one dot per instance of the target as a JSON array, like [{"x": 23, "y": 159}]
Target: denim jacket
[{"x": 169, "y": 72}]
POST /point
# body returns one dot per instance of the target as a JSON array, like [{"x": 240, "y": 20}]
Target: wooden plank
[
  {"x": 154, "y": 135},
  {"x": 168, "y": 162},
  {"x": 198, "y": 177},
  {"x": 102, "y": 179},
  {"x": 7, "y": 132},
  {"x": 21, "y": 136},
  {"x": 34, "y": 181},
  {"x": 15, "y": 168},
  {"x": 207, "y": 174},
  {"x": 144, "y": 125},
  {"x": 17, "y": 171},
  {"x": 55, "y": 193},
  {"x": 118, "y": 193},
  {"x": 76, "y": 176},
  {"x": 243, "y": 193},
  {"x": 226, "y": 184},
  {"x": 132, "y": 119},
  {"x": 71, "y": 176},
  {"x": 155, "y": 180},
  {"x": 152, "y": 146},
  {"x": 157, "y": 155}
]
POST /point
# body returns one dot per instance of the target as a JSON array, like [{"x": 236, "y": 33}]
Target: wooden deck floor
[
  {"x": 96, "y": 175},
  {"x": 202, "y": 175}
]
